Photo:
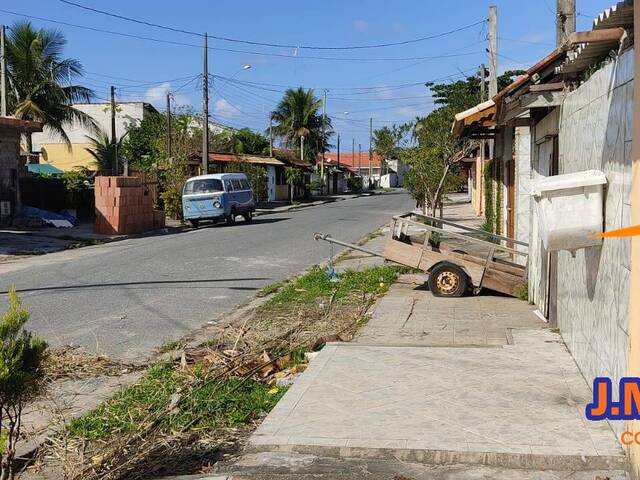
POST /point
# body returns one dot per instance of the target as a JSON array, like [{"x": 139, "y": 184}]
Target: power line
[
  {"x": 271, "y": 44},
  {"x": 231, "y": 50}
]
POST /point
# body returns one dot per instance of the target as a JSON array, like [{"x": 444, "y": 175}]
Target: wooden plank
[
  {"x": 502, "y": 282},
  {"x": 542, "y": 99},
  {"x": 520, "y": 122},
  {"x": 547, "y": 87},
  {"x": 597, "y": 36},
  {"x": 403, "y": 253}
]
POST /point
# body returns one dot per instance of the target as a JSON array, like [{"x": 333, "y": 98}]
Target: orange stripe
[{"x": 623, "y": 232}]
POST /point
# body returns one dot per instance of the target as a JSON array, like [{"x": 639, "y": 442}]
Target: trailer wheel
[{"x": 448, "y": 280}]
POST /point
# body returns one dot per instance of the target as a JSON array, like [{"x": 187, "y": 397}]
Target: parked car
[{"x": 221, "y": 196}]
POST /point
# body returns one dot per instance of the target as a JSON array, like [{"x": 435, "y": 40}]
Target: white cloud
[
  {"x": 360, "y": 25},
  {"x": 157, "y": 96},
  {"x": 223, "y": 108}
]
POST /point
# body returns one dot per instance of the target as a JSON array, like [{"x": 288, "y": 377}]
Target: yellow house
[{"x": 54, "y": 151}]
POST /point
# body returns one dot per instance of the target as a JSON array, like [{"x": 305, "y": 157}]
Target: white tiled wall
[{"x": 593, "y": 286}]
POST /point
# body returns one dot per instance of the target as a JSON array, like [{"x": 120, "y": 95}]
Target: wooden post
[{"x": 565, "y": 20}]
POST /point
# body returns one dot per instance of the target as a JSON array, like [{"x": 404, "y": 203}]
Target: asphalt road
[{"x": 125, "y": 298}]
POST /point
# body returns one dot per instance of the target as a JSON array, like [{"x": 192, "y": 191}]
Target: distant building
[{"x": 54, "y": 151}]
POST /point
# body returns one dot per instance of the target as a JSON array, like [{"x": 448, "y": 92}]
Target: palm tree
[
  {"x": 298, "y": 121},
  {"x": 104, "y": 151},
  {"x": 36, "y": 73}
]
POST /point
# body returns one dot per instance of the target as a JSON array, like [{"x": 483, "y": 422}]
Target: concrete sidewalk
[{"x": 476, "y": 381}]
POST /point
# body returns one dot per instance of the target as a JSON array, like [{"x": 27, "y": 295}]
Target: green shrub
[{"x": 21, "y": 355}]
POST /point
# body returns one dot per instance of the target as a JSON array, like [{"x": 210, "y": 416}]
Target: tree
[
  {"x": 21, "y": 355},
  {"x": 293, "y": 177},
  {"x": 248, "y": 142},
  {"x": 387, "y": 142},
  {"x": 36, "y": 72},
  {"x": 298, "y": 116},
  {"x": 104, "y": 151},
  {"x": 434, "y": 158}
]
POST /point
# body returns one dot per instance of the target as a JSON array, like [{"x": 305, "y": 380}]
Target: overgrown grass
[
  {"x": 212, "y": 406},
  {"x": 316, "y": 284},
  {"x": 170, "y": 346},
  {"x": 270, "y": 288}
]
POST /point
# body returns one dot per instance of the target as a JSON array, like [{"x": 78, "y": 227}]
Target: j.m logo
[{"x": 604, "y": 407}]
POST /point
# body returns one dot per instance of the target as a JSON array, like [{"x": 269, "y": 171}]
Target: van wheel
[
  {"x": 231, "y": 218},
  {"x": 194, "y": 223},
  {"x": 248, "y": 217},
  {"x": 448, "y": 280}
]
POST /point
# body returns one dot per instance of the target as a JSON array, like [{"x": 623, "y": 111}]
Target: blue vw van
[{"x": 221, "y": 196}]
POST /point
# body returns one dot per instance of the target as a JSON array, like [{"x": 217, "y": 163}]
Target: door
[
  {"x": 510, "y": 173},
  {"x": 552, "y": 295}
]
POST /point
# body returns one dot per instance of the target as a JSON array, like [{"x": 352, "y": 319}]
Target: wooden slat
[
  {"x": 547, "y": 87},
  {"x": 596, "y": 36},
  {"x": 542, "y": 99}
]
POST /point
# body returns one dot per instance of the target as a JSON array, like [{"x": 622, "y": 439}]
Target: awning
[
  {"x": 254, "y": 159},
  {"x": 480, "y": 115},
  {"x": 43, "y": 168}
]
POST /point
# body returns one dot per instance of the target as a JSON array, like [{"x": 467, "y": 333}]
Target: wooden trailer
[{"x": 458, "y": 259}]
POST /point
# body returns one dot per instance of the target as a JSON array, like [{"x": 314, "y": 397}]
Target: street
[{"x": 125, "y": 298}]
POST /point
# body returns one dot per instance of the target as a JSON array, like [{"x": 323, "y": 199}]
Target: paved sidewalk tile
[
  {"x": 526, "y": 399},
  {"x": 410, "y": 315}
]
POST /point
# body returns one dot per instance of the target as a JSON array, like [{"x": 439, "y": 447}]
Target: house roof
[
  {"x": 351, "y": 159},
  {"x": 22, "y": 125},
  {"x": 609, "y": 30}
]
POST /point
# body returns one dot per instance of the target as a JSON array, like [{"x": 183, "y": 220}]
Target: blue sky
[{"x": 363, "y": 88}]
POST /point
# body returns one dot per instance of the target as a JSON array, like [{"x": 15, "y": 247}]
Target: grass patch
[
  {"x": 522, "y": 292},
  {"x": 315, "y": 285},
  {"x": 215, "y": 405},
  {"x": 270, "y": 288},
  {"x": 170, "y": 346}
]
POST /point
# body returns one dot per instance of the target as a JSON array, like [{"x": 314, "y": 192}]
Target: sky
[{"x": 385, "y": 84}]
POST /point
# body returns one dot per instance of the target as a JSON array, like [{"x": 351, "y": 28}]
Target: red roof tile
[{"x": 351, "y": 159}]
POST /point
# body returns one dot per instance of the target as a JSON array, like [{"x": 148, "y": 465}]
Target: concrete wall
[
  {"x": 595, "y": 132},
  {"x": 10, "y": 161},
  {"x": 523, "y": 205}
]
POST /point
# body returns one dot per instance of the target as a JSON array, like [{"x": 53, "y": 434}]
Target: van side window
[
  {"x": 227, "y": 186},
  {"x": 245, "y": 184},
  {"x": 236, "y": 184}
]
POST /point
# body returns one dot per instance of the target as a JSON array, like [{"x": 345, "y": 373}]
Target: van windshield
[{"x": 208, "y": 185}]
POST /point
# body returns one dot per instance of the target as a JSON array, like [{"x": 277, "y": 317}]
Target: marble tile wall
[{"x": 593, "y": 286}]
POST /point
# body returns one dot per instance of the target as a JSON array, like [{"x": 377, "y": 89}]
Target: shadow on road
[{"x": 128, "y": 284}]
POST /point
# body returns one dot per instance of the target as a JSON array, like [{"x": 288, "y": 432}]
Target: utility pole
[
  {"x": 114, "y": 143},
  {"x": 565, "y": 20},
  {"x": 370, "y": 149},
  {"x": 483, "y": 83},
  {"x": 270, "y": 136},
  {"x": 338, "y": 161},
  {"x": 169, "y": 126},
  {"x": 3, "y": 73},
  {"x": 324, "y": 116},
  {"x": 493, "y": 51},
  {"x": 205, "y": 109},
  {"x": 302, "y": 147},
  {"x": 360, "y": 160}
]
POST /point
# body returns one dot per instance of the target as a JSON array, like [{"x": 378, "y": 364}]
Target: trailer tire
[{"x": 448, "y": 280}]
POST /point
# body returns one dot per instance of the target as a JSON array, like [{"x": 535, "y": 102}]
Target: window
[
  {"x": 208, "y": 185},
  {"x": 227, "y": 186},
  {"x": 245, "y": 184},
  {"x": 236, "y": 184}
]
